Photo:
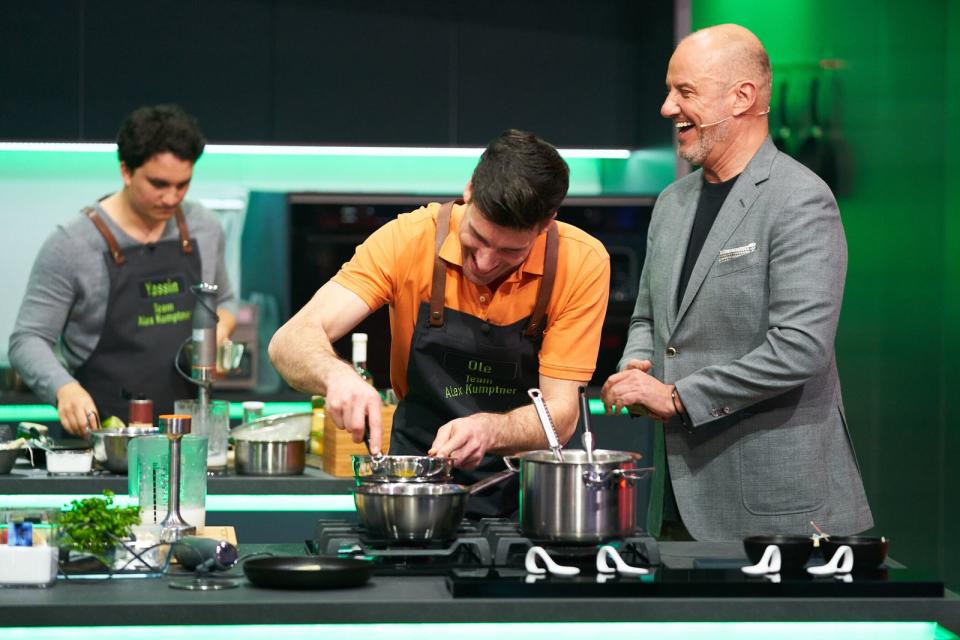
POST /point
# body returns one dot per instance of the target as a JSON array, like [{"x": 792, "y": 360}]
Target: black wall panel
[
  {"x": 364, "y": 71},
  {"x": 569, "y": 70},
  {"x": 211, "y": 57},
  {"x": 40, "y": 70},
  {"x": 415, "y": 72}
]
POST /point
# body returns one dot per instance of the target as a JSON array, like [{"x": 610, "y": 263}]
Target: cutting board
[{"x": 219, "y": 533}]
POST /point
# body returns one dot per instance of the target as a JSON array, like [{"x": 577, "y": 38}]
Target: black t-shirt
[{"x": 712, "y": 196}]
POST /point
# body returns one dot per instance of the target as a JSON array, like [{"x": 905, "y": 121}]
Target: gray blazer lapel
[
  {"x": 735, "y": 207},
  {"x": 682, "y": 225}
]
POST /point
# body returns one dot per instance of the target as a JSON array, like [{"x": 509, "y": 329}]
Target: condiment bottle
[
  {"x": 359, "y": 357},
  {"x": 141, "y": 412}
]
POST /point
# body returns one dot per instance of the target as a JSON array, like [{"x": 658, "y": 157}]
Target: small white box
[{"x": 28, "y": 566}]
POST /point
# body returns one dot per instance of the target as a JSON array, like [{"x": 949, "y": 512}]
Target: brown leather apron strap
[
  {"x": 185, "y": 245},
  {"x": 439, "y": 266},
  {"x": 107, "y": 235},
  {"x": 535, "y": 328}
]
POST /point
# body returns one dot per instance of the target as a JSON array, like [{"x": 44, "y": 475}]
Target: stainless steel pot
[
  {"x": 402, "y": 469},
  {"x": 110, "y": 445},
  {"x": 416, "y": 511},
  {"x": 270, "y": 457},
  {"x": 576, "y": 502}
]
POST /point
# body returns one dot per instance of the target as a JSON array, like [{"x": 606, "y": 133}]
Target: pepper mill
[{"x": 173, "y": 525}]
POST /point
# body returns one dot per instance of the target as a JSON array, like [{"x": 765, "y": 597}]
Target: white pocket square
[{"x": 736, "y": 252}]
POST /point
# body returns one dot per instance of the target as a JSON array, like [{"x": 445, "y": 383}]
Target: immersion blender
[{"x": 203, "y": 365}]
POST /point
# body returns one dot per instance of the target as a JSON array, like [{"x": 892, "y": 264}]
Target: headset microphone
[{"x": 712, "y": 124}]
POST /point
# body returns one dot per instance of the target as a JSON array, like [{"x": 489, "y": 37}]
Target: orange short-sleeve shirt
[{"x": 394, "y": 266}]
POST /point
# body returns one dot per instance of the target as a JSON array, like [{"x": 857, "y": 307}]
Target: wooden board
[
  {"x": 338, "y": 447},
  {"x": 218, "y": 533}
]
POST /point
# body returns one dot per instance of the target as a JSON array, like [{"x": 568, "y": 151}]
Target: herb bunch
[{"x": 94, "y": 525}]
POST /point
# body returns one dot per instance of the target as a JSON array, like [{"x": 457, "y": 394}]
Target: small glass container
[
  {"x": 252, "y": 409},
  {"x": 69, "y": 461},
  {"x": 213, "y": 422}
]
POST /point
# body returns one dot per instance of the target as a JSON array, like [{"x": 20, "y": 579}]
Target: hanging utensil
[
  {"x": 587, "y": 433},
  {"x": 546, "y": 422}
]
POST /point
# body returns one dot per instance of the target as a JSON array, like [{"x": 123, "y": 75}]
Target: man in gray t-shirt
[{"x": 113, "y": 285}]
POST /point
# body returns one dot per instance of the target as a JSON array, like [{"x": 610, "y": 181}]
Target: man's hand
[
  {"x": 466, "y": 440},
  {"x": 640, "y": 392},
  {"x": 77, "y": 411},
  {"x": 351, "y": 403}
]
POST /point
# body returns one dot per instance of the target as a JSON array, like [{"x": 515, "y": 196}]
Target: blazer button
[
  {"x": 715, "y": 413},
  {"x": 671, "y": 352}
]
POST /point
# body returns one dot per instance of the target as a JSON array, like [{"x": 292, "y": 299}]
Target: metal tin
[{"x": 270, "y": 458}]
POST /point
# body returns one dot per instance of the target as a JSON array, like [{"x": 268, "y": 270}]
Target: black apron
[
  {"x": 461, "y": 365},
  {"x": 148, "y": 317}
]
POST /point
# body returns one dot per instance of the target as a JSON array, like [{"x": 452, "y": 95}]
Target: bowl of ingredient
[{"x": 110, "y": 446}]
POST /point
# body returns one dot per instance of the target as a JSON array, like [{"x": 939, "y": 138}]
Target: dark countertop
[{"x": 426, "y": 599}]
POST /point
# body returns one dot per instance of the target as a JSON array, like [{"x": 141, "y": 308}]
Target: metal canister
[{"x": 141, "y": 412}]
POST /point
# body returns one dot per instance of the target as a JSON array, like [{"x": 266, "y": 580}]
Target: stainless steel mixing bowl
[
  {"x": 110, "y": 445},
  {"x": 410, "y": 511},
  {"x": 402, "y": 469}
]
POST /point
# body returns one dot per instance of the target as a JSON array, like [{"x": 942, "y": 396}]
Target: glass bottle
[{"x": 359, "y": 357}]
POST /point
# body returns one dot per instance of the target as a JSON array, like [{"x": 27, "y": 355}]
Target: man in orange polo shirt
[{"x": 488, "y": 298}]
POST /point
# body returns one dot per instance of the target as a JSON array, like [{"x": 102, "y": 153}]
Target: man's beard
[{"x": 707, "y": 140}]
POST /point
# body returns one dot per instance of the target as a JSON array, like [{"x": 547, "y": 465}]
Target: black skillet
[{"x": 307, "y": 572}]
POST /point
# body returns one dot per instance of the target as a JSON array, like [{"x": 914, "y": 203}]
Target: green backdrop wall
[{"x": 889, "y": 73}]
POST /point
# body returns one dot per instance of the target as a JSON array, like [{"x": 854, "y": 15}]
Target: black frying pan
[{"x": 314, "y": 572}]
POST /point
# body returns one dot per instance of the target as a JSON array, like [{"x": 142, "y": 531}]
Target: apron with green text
[
  {"x": 148, "y": 317},
  {"x": 461, "y": 365}
]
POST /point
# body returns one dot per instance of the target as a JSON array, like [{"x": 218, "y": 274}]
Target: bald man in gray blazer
[{"x": 731, "y": 341}]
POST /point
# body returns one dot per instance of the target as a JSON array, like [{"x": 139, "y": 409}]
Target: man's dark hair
[
  {"x": 520, "y": 180},
  {"x": 159, "y": 129}
]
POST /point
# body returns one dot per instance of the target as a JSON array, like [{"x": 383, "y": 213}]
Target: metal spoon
[
  {"x": 546, "y": 422},
  {"x": 587, "y": 433}
]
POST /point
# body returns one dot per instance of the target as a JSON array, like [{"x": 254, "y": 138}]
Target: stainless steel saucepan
[
  {"x": 416, "y": 511},
  {"x": 578, "y": 501}
]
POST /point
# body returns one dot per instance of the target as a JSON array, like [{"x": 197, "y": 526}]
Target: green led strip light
[
  {"x": 526, "y": 630},
  {"x": 214, "y": 502},
  {"x": 48, "y": 413}
]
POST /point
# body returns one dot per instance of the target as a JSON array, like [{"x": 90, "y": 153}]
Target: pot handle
[
  {"x": 634, "y": 474},
  {"x": 489, "y": 481},
  {"x": 605, "y": 479},
  {"x": 511, "y": 462}
]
